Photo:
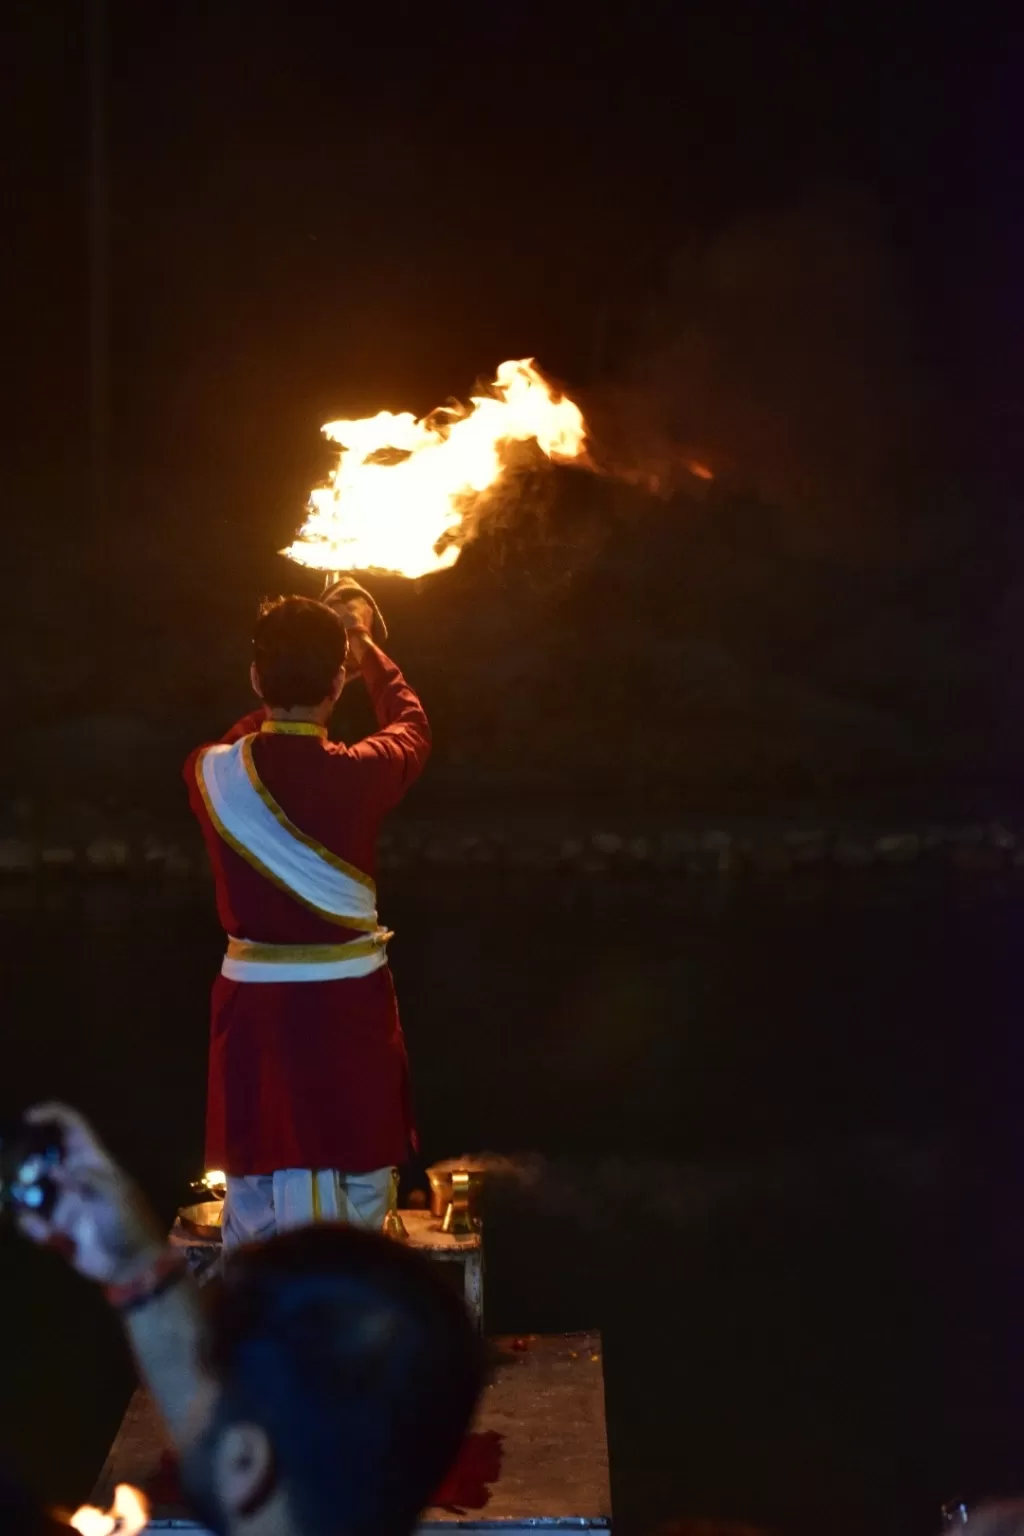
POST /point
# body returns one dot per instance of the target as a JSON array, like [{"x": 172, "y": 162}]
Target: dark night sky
[{"x": 311, "y": 215}]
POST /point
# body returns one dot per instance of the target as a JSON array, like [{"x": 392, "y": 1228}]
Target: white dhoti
[{"x": 258, "y": 1205}]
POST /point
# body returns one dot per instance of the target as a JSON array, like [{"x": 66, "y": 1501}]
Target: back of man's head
[
  {"x": 360, "y": 1365},
  {"x": 298, "y": 648}
]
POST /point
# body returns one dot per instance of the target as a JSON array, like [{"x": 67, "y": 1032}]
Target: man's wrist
[
  {"x": 138, "y": 1256},
  {"x": 161, "y": 1269},
  {"x": 359, "y": 643}
]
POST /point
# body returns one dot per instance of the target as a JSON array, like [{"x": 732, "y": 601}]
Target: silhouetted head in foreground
[{"x": 342, "y": 1374}]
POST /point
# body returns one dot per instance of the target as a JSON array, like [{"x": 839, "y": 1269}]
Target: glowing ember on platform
[
  {"x": 403, "y": 488},
  {"x": 128, "y": 1516}
]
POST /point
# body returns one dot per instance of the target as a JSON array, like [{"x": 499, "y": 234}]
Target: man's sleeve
[{"x": 395, "y": 755}]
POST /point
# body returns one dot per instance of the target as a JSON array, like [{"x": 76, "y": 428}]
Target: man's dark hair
[
  {"x": 298, "y": 646},
  {"x": 360, "y": 1364}
]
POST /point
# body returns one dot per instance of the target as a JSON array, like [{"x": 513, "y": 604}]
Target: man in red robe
[{"x": 309, "y": 1108}]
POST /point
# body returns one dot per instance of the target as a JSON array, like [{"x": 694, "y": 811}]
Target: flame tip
[{"x": 128, "y": 1516}]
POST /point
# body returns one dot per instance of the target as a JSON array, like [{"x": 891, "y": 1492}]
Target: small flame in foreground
[
  {"x": 128, "y": 1516},
  {"x": 402, "y": 489}
]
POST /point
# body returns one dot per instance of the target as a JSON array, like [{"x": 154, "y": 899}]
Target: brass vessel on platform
[
  {"x": 454, "y": 1195},
  {"x": 458, "y": 1218},
  {"x": 202, "y": 1220},
  {"x": 394, "y": 1227}
]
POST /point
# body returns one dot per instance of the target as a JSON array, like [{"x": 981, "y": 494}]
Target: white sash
[{"x": 250, "y": 821}]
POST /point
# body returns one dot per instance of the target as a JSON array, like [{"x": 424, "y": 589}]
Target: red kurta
[{"x": 312, "y": 1074}]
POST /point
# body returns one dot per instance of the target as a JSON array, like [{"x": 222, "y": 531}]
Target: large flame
[
  {"x": 402, "y": 488},
  {"x": 128, "y": 1516}
]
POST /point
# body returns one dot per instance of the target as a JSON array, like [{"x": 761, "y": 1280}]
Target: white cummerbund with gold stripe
[{"x": 247, "y": 961}]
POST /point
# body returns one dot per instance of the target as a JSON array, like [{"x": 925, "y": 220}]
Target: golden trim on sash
[
  {"x": 359, "y": 924},
  {"x": 293, "y": 831},
  {"x": 292, "y": 728},
  {"x": 306, "y": 954}
]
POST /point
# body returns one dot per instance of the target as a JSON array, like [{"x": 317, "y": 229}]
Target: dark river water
[{"x": 782, "y": 1164}]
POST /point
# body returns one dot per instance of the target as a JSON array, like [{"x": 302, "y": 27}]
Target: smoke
[
  {"x": 782, "y": 353},
  {"x": 633, "y": 1194},
  {"x": 778, "y": 357}
]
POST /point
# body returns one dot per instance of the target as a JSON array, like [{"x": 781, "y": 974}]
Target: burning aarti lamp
[
  {"x": 212, "y": 1185},
  {"x": 129, "y": 1516},
  {"x": 405, "y": 494}
]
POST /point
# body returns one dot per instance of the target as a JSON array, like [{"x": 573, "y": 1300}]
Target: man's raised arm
[{"x": 399, "y": 748}]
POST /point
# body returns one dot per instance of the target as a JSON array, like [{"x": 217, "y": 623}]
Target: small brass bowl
[{"x": 203, "y": 1220}]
